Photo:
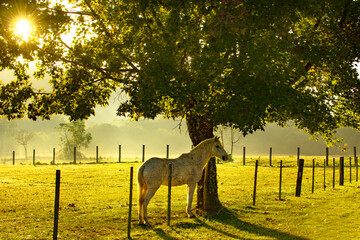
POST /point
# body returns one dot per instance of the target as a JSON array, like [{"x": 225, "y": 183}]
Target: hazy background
[
  {"x": 109, "y": 130},
  {"x": 156, "y": 134}
]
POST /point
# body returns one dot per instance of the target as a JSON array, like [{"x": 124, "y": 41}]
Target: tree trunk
[
  {"x": 25, "y": 150},
  {"x": 199, "y": 129},
  {"x": 211, "y": 203}
]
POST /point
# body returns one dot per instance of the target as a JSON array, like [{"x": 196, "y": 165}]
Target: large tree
[{"x": 232, "y": 62}]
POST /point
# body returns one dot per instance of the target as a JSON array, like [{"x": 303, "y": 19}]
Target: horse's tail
[{"x": 142, "y": 186}]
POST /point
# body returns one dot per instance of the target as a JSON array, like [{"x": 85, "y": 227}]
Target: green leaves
[{"x": 237, "y": 63}]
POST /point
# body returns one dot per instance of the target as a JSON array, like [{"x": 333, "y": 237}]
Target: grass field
[{"x": 94, "y": 204}]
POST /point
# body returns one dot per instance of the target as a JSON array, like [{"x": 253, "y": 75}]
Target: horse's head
[{"x": 218, "y": 150}]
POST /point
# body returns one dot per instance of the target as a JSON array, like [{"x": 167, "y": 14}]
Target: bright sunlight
[{"x": 23, "y": 29}]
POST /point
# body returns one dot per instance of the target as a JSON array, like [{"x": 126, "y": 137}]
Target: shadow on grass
[
  {"x": 230, "y": 218},
  {"x": 163, "y": 234}
]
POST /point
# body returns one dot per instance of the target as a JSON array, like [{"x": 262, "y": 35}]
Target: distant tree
[
  {"x": 23, "y": 137},
  {"x": 73, "y": 134},
  {"x": 235, "y": 136},
  {"x": 231, "y": 133}
]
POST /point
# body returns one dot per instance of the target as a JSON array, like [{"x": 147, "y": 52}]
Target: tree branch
[
  {"x": 34, "y": 92},
  {"x": 147, "y": 24},
  {"x": 157, "y": 20},
  {"x": 345, "y": 13},
  {"x": 70, "y": 12},
  {"x": 99, "y": 69},
  {"x": 309, "y": 64},
  {"x": 108, "y": 35},
  {"x": 102, "y": 70},
  {"x": 97, "y": 17}
]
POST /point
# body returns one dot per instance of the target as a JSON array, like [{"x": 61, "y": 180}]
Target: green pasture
[{"x": 94, "y": 204}]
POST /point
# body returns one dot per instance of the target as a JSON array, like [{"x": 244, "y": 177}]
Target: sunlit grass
[{"x": 94, "y": 205}]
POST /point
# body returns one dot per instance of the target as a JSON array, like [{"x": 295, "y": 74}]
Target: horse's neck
[{"x": 201, "y": 155}]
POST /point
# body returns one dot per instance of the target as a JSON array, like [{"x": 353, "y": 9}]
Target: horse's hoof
[{"x": 144, "y": 224}]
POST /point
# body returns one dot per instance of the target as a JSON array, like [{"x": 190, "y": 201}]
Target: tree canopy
[{"x": 239, "y": 63}]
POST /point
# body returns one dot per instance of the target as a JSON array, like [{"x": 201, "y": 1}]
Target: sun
[{"x": 23, "y": 29}]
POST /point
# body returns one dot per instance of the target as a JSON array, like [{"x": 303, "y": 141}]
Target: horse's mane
[
  {"x": 202, "y": 143},
  {"x": 184, "y": 155}
]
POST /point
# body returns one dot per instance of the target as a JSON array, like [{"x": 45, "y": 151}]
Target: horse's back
[
  {"x": 155, "y": 170},
  {"x": 155, "y": 163}
]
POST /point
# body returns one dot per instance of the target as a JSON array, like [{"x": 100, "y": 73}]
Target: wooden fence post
[
  {"x": 13, "y": 157},
  {"x": 299, "y": 177},
  {"x": 143, "y": 153},
  {"x": 313, "y": 176},
  {"x": 341, "y": 172},
  {"x": 74, "y": 155},
  {"x": 119, "y": 153},
  {"x": 324, "y": 174},
  {"x": 56, "y": 205},
  {"x": 244, "y": 153},
  {"x": 355, "y": 158},
  {"x": 53, "y": 162},
  {"x": 34, "y": 157},
  {"x": 255, "y": 181},
  {"x": 97, "y": 154},
  {"x": 298, "y": 156},
  {"x": 356, "y": 163},
  {"x": 167, "y": 151},
  {"x": 169, "y": 196},
  {"x": 350, "y": 168},
  {"x": 357, "y": 168},
  {"x": 327, "y": 156},
  {"x": 280, "y": 181},
  {"x": 270, "y": 158},
  {"x": 130, "y": 202},
  {"x": 333, "y": 172}
]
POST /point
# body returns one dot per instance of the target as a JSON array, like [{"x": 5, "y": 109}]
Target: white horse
[{"x": 186, "y": 169}]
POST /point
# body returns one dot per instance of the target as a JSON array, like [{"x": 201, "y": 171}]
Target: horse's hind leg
[
  {"x": 148, "y": 196},
  {"x": 190, "y": 194},
  {"x": 142, "y": 193}
]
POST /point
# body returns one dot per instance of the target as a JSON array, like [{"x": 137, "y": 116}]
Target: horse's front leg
[{"x": 190, "y": 194}]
